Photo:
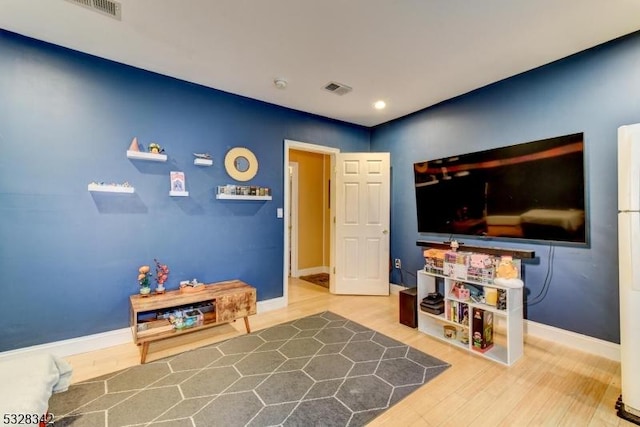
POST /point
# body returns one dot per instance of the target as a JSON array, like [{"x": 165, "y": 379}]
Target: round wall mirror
[{"x": 241, "y": 164}]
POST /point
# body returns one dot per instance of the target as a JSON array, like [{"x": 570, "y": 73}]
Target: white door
[{"x": 362, "y": 205}]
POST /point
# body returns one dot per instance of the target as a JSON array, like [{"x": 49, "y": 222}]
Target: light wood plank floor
[{"x": 551, "y": 385}]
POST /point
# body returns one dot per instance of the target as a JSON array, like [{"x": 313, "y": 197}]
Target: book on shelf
[{"x": 458, "y": 312}]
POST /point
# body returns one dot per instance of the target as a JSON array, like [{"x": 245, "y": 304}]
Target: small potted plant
[
  {"x": 143, "y": 280},
  {"x": 162, "y": 273}
]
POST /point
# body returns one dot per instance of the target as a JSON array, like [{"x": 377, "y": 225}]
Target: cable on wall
[{"x": 547, "y": 280}]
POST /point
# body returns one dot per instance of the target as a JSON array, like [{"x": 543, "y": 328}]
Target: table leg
[
  {"x": 143, "y": 352},
  {"x": 246, "y": 324}
]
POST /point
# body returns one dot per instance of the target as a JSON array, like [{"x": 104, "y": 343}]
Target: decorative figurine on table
[
  {"x": 143, "y": 280},
  {"x": 206, "y": 156},
  {"x": 162, "y": 273},
  {"x": 191, "y": 286}
]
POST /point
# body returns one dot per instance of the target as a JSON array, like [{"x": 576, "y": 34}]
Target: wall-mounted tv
[{"x": 533, "y": 191}]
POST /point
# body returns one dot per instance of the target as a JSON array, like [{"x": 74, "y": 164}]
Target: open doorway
[
  {"x": 308, "y": 230},
  {"x": 310, "y": 213},
  {"x": 358, "y": 216}
]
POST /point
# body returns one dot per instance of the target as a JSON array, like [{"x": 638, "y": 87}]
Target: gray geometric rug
[{"x": 321, "y": 370}]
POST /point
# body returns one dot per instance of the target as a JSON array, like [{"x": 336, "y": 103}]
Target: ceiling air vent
[
  {"x": 337, "y": 88},
  {"x": 105, "y": 7}
]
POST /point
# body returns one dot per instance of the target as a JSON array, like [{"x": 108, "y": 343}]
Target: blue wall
[
  {"x": 69, "y": 258},
  {"x": 593, "y": 92}
]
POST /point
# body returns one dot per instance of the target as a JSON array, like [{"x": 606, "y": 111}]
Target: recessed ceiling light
[{"x": 379, "y": 105}]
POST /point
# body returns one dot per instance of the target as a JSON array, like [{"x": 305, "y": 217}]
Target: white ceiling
[{"x": 409, "y": 53}]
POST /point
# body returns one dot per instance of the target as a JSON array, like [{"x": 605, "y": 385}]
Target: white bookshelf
[{"x": 508, "y": 345}]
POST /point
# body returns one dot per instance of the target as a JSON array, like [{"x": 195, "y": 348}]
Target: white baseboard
[
  {"x": 74, "y": 345},
  {"x": 574, "y": 340},
  {"x": 102, "y": 340},
  {"x": 271, "y": 304},
  {"x": 313, "y": 270},
  {"x": 395, "y": 289}
]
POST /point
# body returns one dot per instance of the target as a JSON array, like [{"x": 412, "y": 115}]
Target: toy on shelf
[
  {"x": 202, "y": 159},
  {"x": 134, "y": 146},
  {"x": 155, "y": 152},
  {"x": 155, "y": 148},
  {"x": 191, "y": 286},
  {"x": 506, "y": 268}
]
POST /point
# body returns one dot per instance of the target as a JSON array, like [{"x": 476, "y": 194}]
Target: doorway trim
[
  {"x": 302, "y": 146},
  {"x": 293, "y": 225}
]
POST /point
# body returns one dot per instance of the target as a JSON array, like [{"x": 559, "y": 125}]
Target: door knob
[{"x": 385, "y": 231}]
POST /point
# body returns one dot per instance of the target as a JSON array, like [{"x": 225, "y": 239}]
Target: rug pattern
[
  {"x": 321, "y": 370},
  {"x": 320, "y": 279}
]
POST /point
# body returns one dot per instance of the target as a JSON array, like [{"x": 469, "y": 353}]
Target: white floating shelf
[
  {"x": 240, "y": 197},
  {"x": 179, "y": 193},
  {"x": 110, "y": 188},
  {"x": 141, "y": 155},
  {"x": 203, "y": 162}
]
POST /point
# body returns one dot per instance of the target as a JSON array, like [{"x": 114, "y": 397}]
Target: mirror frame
[{"x": 230, "y": 164}]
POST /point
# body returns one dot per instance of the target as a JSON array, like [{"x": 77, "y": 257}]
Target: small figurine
[
  {"x": 134, "y": 145},
  {"x": 506, "y": 268},
  {"x": 155, "y": 148},
  {"x": 202, "y": 155}
]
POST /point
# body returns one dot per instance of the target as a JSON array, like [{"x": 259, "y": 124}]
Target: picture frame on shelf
[{"x": 178, "y": 184}]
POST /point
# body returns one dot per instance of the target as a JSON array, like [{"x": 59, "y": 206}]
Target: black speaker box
[{"x": 408, "y": 302}]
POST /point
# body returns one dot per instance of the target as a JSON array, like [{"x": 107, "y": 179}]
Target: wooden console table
[{"x": 225, "y": 302}]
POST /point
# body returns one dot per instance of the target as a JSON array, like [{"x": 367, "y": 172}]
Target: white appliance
[{"x": 629, "y": 269}]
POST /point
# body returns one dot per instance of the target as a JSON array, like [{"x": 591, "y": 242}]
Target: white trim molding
[
  {"x": 574, "y": 340},
  {"x": 395, "y": 289},
  {"x": 271, "y": 304},
  {"x": 102, "y": 340},
  {"x": 73, "y": 346}
]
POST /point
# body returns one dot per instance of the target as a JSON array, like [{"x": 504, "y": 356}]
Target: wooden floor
[{"x": 551, "y": 385}]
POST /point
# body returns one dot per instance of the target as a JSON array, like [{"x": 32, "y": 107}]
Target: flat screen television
[{"x": 532, "y": 191}]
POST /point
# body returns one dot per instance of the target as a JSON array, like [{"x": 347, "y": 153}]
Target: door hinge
[{"x": 334, "y": 270}]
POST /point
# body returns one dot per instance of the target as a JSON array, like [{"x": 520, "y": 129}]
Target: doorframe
[
  {"x": 293, "y": 226},
  {"x": 301, "y": 146}
]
